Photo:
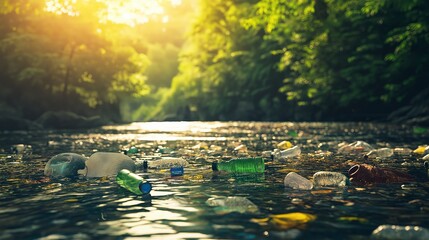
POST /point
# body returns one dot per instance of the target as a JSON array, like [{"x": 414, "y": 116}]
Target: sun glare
[{"x": 130, "y": 12}]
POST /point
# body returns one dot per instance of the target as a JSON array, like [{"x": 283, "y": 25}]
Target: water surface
[{"x": 33, "y": 206}]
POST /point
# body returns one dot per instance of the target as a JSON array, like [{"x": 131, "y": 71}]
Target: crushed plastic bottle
[
  {"x": 329, "y": 179},
  {"x": 101, "y": 164},
  {"x": 355, "y": 147},
  {"x": 395, "y": 232},
  {"x": 65, "y": 165},
  {"x": 380, "y": 153},
  {"x": 133, "y": 182},
  {"x": 364, "y": 174},
  {"x": 240, "y": 165},
  {"x": 288, "y": 153},
  {"x": 232, "y": 204},
  {"x": 296, "y": 181}
]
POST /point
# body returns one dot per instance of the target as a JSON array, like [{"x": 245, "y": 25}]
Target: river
[{"x": 33, "y": 206}]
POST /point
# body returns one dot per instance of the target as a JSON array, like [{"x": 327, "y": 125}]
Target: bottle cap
[
  {"x": 144, "y": 164},
  {"x": 145, "y": 187},
  {"x": 214, "y": 166}
]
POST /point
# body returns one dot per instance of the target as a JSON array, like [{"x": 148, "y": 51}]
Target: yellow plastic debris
[
  {"x": 287, "y": 220},
  {"x": 420, "y": 150},
  {"x": 284, "y": 145}
]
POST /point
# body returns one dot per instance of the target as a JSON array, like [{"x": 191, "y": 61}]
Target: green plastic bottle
[
  {"x": 133, "y": 182},
  {"x": 240, "y": 165}
]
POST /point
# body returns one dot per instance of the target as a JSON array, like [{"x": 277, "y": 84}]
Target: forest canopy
[{"x": 261, "y": 60}]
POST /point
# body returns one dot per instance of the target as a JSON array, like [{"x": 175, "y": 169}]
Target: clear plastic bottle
[
  {"x": 296, "y": 181},
  {"x": 356, "y": 147},
  {"x": 380, "y": 153},
  {"x": 395, "y": 232},
  {"x": 166, "y": 162},
  {"x": 330, "y": 179},
  {"x": 176, "y": 165},
  {"x": 288, "y": 153},
  {"x": 403, "y": 151},
  {"x": 65, "y": 165},
  {"x": 240, "y": 165},
  {"x": 133, "y": 182},
  {"x": 232, "y": 204},
  {"x": 101, "y": 164}
]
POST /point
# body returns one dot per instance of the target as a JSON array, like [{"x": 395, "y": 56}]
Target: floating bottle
[
  {"x": 101, "y": 164},
  {"x": 367, "y": 174},
  {"x": 329, "y": 179},
  {"x": 380, "y": 153},
  {"x": 240, "y": 165},
  {"x": 133, "y": 182},
  {"x": 65, "y": 165},
  {"x": 296, "y": 181},
  {"x": 288, "y": 153},
  {"x": 176, "y": 165},
  {"x": 232, "y": 204},
  {"x": 403, "y": 151},
  {"x": 395, "y": 232},
  {"x": 356, "y": 147}
]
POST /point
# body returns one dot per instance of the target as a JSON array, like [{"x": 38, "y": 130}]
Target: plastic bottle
[
  {"x": 356, "y": 147},
  {"x": 364, "y": 174},
  {"x": 332, "y": 179},
  {"x": 288, "y": 153},
  {"x": 380, "y": 153},
  {"x": 101, "y": 164},
  {"x": 65, "y": 165},
  {"x": 232, "y": 204},
  {"x": 296, "y": 181},
  {"x": 240, "y": 165},
  {"x": 133, "y": 182},
  {"x": 395, "y": 232},
  {"x": 174, "y": 164},
  {"x": 403, "y": 151}
]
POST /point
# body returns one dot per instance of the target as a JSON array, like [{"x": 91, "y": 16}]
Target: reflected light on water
[
  {"x": 168, "y": 126},
  {"x": 166, "y": 131}
]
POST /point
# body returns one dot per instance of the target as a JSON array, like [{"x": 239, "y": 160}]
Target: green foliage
[{"x": 301, "y": 59}]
